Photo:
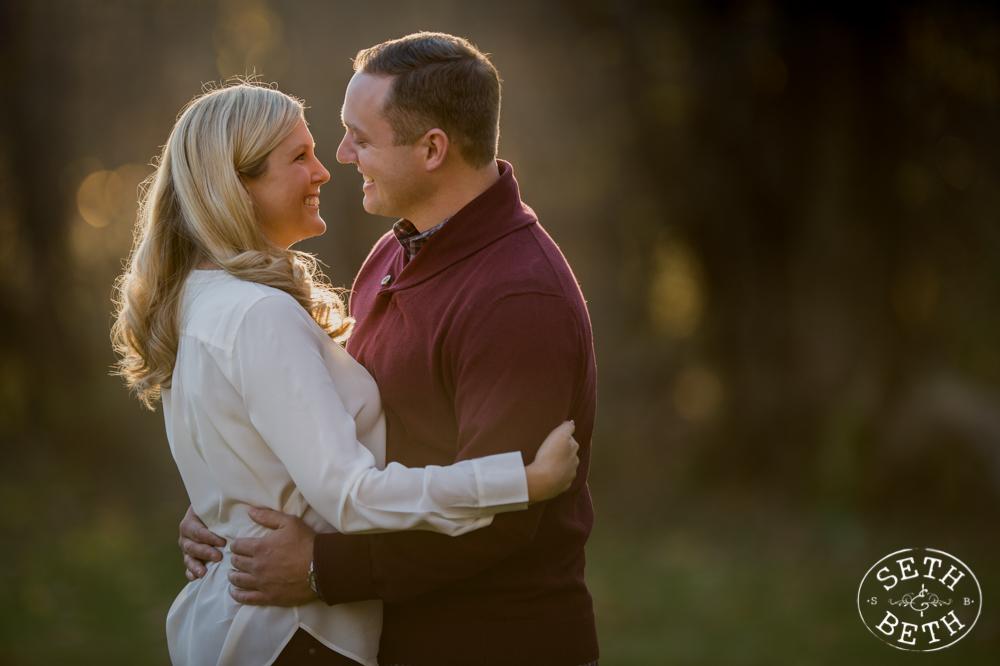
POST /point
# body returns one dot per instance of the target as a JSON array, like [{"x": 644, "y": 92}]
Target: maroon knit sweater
[{"x": 481, "y": 344}]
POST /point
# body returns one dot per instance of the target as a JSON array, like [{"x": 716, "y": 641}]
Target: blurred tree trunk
[
  {"x": 35, "y": 77},
  {"x": 774, "y": 171}
]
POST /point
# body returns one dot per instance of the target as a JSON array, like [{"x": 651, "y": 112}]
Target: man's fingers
[
  {"x": 194, "y": 567},
  {"x": 268, "y": 518},
  {"x": 242, "y": 563},
  {"x": 199, "y": 551},
  {"x": 248, "y": 597},
  {"x": 204, "y": 535},
  {"x": 244, "y": 546},
  {"x": 192, "y": 528},
  {"x": 242, "y": 580},
  {"x": 190, "y": 576}
]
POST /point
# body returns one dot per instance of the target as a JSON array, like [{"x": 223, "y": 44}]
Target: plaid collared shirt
[{"x": 411, "y": 239}]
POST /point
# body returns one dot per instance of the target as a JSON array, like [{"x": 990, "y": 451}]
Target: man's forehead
[
  {"x": 363, "y": 101},
  {"x": 351, "y": 121},
  {"x": 366, "y": 90}
]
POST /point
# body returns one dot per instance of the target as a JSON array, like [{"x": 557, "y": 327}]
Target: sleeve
[
  {"x": 511, "y": 390},
  {"x": 282, "y": 368}
]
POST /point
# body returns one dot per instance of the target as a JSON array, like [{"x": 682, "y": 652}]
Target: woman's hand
[{"x": 554, "y": 467}]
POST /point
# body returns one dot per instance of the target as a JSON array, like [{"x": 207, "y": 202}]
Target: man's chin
[{"x": 373, "y": 208}]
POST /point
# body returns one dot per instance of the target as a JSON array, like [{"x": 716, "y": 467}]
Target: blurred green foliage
[{"x": 784, "y": 217}]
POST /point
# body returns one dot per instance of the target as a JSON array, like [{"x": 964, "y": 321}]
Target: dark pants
[{"x": 305, "y": 650}]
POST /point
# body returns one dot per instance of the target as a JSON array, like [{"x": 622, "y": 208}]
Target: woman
[{"x": 236, "y": 333}]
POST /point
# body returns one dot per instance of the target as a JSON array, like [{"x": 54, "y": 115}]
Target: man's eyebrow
[{"x": 355, "y": 129}]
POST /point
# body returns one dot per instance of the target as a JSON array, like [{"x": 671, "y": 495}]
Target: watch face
[{"x": 311, "y": 578}]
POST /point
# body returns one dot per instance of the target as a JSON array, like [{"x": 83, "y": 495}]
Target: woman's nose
[{"x": 321, "y": 175}]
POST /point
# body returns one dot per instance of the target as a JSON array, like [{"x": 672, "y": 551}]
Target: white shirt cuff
[{"x": 502, "y": 481}]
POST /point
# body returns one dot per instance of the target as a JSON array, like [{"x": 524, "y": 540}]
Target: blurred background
[{"x": 785, "y": 217}]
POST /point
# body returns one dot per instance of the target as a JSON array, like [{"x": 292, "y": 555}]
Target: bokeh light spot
[
  {"x": 676, "y": 294},
  {"x": 249, "y": 38},
  {"x": 99, "y": 198}
]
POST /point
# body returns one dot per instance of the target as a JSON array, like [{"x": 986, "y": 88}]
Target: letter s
[{"x": 885, "y": 577}]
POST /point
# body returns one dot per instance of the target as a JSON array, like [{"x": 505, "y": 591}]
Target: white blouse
[{"x": 265, "y": 410}]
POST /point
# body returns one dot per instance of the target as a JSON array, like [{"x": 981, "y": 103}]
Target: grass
[
  {"x": 740, "y": 583},
  {"x": 90, "y": 566}
]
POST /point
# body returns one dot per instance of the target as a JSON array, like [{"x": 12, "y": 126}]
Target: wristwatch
[{"x": 311, "y": 578}]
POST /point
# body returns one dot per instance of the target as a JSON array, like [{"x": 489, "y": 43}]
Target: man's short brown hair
[{"x": 440, "y": 81}]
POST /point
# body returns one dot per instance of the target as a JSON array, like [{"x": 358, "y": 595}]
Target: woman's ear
[
  {"x": 435, "y": 145},
  {"x": 245, "y": 181}
]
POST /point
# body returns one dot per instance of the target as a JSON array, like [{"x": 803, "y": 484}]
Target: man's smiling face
[{"x": 395, "y": 179}]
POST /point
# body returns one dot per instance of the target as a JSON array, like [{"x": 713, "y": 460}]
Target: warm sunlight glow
[
  {"x": 99, "y": 198},
  {"x": 249, "y": 38},
  {"x": 676, "y": 295},
  {"x": 107, "y": 202}
]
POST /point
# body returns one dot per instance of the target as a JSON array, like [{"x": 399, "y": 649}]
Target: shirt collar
[
  {"x": 489, "y": 217},
  {"x": 411, "y": 238}
]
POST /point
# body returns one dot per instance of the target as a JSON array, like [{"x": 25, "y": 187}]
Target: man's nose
[{"x": 345, "y": 152}]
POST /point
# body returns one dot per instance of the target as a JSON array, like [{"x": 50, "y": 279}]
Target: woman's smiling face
[{"x": 286, "y": 197}]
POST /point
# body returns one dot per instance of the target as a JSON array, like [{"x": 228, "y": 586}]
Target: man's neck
[{"x": 456, "y": 191}]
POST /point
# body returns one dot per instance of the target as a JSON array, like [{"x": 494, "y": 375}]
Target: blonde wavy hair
[{"x": 195, "y": 207}]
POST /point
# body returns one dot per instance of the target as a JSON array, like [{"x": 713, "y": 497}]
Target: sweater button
[{"x": 386, "y": 279}]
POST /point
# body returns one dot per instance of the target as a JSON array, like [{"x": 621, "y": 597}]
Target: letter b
[{"x": 891, "y": 621}]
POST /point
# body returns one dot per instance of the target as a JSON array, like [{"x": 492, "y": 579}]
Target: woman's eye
[{"x": 301, "y": 157}]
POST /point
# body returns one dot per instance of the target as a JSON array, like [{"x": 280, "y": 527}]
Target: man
[{"x": 474, "y": 327}]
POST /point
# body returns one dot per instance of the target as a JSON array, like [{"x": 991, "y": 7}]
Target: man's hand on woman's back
[{"x": 199, "y": 545}]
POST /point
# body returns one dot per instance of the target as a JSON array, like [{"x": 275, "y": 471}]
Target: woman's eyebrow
[{"x": 299, "y": 148}]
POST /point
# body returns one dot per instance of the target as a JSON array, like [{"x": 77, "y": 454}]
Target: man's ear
[{"x": 435, "y": 145}]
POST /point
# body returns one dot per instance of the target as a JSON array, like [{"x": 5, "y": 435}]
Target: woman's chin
[
  {"x": 316, "y": 227},
  {"x": 320, "y": 227}
]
